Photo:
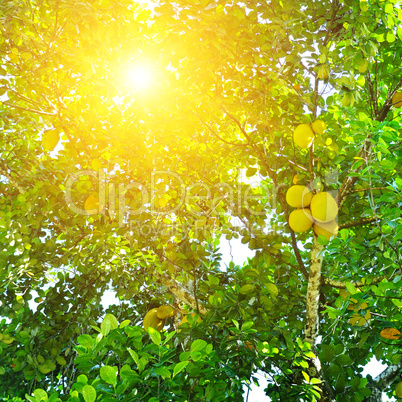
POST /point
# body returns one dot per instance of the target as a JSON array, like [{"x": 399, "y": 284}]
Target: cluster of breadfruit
[
  {"x": 318, "y": 211},
  {"x": 303, "y": 136},
  {"x": 156, "y": 317}
]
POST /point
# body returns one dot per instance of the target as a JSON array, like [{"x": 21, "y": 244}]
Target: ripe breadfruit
[
  {"x": 151, "y": 320},
  {"x": 303, "y": 136},
  {"x": 301, "y": 220},
  {"x": 328, "y": 229},
  {"x": 164, "y": 312},
  {"x": 319, "y": 127},
  {"x": 324, "y": 207},
  {"x": 299, "y": 196}
]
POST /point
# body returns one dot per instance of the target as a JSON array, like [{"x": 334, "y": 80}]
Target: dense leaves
[{"x": 117, "y": 184}]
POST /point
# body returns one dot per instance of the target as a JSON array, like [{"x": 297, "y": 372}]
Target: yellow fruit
[
  {"x": 398, "y": 390},
  {"x": 185, "y": 320},
  {"x": 50, "y": 139},
  {"x": 319, "y": 127},
  {"x": 328, "y": 229},
  {"x": 300, "y": 220},
  {"x": 397, "y": 99},
  {"x": 164, "y": 312},
  {"x": 324, "y": 207},
  {"x": 92, "y": 204},
  {"x": 323, "y": 72},
  {"x": 299, "y": 196},
  {"x": 151, "y": 320},
  {"x": 303, "y": 136}
]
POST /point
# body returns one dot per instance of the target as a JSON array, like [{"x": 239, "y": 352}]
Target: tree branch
[
  {"x": 29, "y": 110},
  {"x": 358, "y": 222},
  {"x": 384, "y": 380},
  {"x": 342, "y": 284}
]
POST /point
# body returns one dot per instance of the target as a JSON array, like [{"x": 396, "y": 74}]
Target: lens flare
[{"x": 140, "y": 76}]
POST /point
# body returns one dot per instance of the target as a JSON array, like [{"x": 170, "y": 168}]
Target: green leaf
[
  {"x": 169, "y": 336},
  {"x": 179, "y": 367},
  {"x": 272, "y": 289},
  {"x": 247, "y": 325},
  {"x": 198, "y": 345},
  {"x": 351, "y": 288},
  {"x": 327, "y": 353},
  {"x": 82, "y": 378},
  {"x": 306, "y": 376},
  {"x": 124, "y": 323},
  {"x": 86, "y": 341},
  {"x": 54, "y": 397},
  {"x": 155, "y": 335},
  {"x": 163, "y": 372},
  {"x": 109, "y": 374},
  {"x": 40, "y": 395},
  {"x": 344, "y": 234},
  {"x": 109, "y": 323},
  {"x": 213, "y": 280},
  {"x": 246, "y": 289},
  {"x": 134, "y": 355},
  {"x": 89, "y": 393},
  {"x": 127, "y": 373},
  {"x": 344, "y": 360}
]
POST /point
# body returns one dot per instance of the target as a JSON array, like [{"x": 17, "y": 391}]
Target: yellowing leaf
[
  {"x": 7, "y": 339},
  {"x": 358, "y": 320},
  {"x": 272, "y": 289},
  {"x": 160, "y": 202},
  {"x": 96, "y": 164},
  {"x": 26, "y": 55},
  {"x": 50, "y": 139},
  {"x": 390, "y": 333},
  {"x": 92, "y": 204}
]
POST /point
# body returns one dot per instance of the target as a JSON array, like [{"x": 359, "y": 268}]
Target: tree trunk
[
  {"x": 383, "y": 381},
  {"x": 313, "y": 294}
]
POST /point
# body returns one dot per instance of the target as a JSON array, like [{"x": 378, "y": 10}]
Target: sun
[{"x": 140, "y": 76}]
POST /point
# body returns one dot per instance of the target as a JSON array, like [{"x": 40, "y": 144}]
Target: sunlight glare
[{"x": 140, "y": 76}]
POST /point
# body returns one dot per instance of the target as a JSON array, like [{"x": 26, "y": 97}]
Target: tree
[{"x": 110, "y": 184}]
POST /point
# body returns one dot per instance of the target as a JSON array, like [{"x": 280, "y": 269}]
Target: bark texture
[
  {"x": 383, "y": 381},
  {"x": 313, "y": 294}
]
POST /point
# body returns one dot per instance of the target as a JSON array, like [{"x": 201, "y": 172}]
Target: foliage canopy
[{"x": 130, "y": 186}]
